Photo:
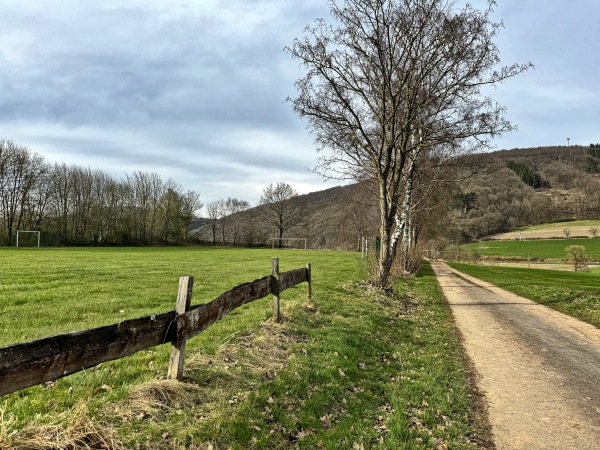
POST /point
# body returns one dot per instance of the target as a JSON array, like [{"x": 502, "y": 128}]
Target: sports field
[{"x": 352, "y": 368}]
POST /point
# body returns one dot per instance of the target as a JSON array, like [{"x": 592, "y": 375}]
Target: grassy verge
[
  {"x": 574, "y": 293},
  {"x": 349, "y": 370}
]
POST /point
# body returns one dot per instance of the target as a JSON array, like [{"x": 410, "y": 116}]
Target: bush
[{"x": 576, "y": 253}]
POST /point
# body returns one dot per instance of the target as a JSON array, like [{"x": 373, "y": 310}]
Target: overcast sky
[{"x": 195, "y": 89}]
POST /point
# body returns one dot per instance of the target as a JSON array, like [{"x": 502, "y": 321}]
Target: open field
[
  {"x": 576, "y": 228},
  {"x": 574, "y": 293},
  {"x": 350, "y": 369},
  {"x": 545, "y": 249}
]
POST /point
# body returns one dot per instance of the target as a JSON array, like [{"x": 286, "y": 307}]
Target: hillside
[
  {"x": 520, "y": 187},
  {"x": 498, "y": 192},
  {"x": 333, "y": 218}
]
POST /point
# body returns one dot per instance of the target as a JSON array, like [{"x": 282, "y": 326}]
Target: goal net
[
  {"x": 28, "y": 238},
  {"x": 297, "y": 243}
]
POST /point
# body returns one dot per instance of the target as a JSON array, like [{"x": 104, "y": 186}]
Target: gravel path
[{"x": 538, "y": 369}]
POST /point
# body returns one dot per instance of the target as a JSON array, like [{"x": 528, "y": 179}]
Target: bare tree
[
  {"x": 361, "y": 210},
  {"x": 140, "y": 204},
  {"x": 215, "y": 212},
  {"x": 60, "y": 189},
  {"x": 282, "y": 212},
  {"x": 20, "y": 172},
  {"x": 190, "y": 204},
  {"x": 390, "y": 81},
  {"x": 578, "y": 255},
  {"x": 234, "y": 206}
]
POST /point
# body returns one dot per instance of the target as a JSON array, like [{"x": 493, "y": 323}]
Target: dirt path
[{"x": 539, "y": 369}]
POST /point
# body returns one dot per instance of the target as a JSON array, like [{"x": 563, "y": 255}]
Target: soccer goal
[
  {"x": 25, "y": 242},
  {"x": 297, "y": 243}
]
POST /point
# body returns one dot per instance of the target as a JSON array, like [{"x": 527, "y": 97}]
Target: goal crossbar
[
  {"x": 27, "y": 231},
  {"x": 288, "y": 239}
]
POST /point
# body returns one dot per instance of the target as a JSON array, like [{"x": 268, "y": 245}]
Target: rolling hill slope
[{"x": 500, "y": 191}]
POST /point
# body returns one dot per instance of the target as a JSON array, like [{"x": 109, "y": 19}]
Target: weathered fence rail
[{"x": 36, "y": 362}]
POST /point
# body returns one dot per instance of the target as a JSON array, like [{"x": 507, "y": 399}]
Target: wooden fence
[{"x": 35, "y": 362}]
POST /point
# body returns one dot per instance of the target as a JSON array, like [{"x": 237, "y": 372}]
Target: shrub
[{"x": 577, "y": 254}]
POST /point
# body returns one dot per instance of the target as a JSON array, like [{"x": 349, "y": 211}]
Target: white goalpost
[
  {"x": 368, "y": 244},
  {"x": 298, "y": 241},
  {"x": 26, "y": 231}
]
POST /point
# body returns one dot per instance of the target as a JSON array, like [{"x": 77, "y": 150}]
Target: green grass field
[
  {"x": 352, "y": 369},
  {"x": 546, "y": 249},
  {"x": 574, "y": 293}
]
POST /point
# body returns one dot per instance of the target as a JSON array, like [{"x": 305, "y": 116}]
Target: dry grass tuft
[
  {"x": 155, "y": 399},
  {"x": 78, "y": 432},
  {"x": 264, "y": 351},
  {"x": 404, "y": 303},
  {"x": 267, "y": 350}
]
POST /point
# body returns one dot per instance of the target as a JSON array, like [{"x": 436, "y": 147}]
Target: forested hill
[
  {"x": 333, "y": 218},
  {"x": 506, "y": 189},
  {"x": 519, "y": 187}
]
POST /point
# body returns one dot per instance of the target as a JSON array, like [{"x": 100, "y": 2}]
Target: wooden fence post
[
  {"x": 275, "y": 289},
  {"x": 184, "y": 299},
  {"x": 309, "y": 282}
]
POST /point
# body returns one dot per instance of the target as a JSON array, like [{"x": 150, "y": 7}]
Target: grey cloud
[{"x": 177, "y": 87}]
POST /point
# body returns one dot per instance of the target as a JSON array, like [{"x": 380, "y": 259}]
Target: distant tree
[
  {"x": 232, "y": 207},
  {"x": 361, "y": 210},
  {"x": 576, "y": 253},
  {"x": 592, "y": 165},
  {"x": 215, "y": 210},
  {"x": 465, "y": 201},
  {"x": 190, "y": 204},
  {"x": 594, "y": 231},
  {"x": 594, "y": 150},
  {"x": 528, "y": 175},
  {"x": 20, "y": 172},
  {"x": 281, "y": 211}
]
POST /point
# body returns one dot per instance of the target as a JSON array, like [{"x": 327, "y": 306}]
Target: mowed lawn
[
  {"x": 351, "y": 369},
  {"x": 546, "y": 249},
  {"x": 49, "y": 291}
]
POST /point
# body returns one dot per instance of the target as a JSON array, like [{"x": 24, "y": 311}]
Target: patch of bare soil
[
  {"x": 536, "y": 265},
  {"x": 538, "y": 369},
  {"x": 545, "y": 233}
]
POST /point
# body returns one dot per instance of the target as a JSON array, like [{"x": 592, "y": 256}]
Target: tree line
[
  {"x": 594, "y": 150},
  {"x": 529, "y": 176},
  {"x": 276, "y": 210},
  {"x": 72, "y": 205}
]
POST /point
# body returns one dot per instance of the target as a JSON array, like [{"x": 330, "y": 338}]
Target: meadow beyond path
[{"x": 539, "y": 369}]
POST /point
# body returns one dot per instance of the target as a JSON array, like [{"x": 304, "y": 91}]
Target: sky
[{"x": 195, "y": 90}]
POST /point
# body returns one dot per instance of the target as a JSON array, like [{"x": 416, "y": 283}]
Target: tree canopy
[{"x": 392, "y": 82}]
